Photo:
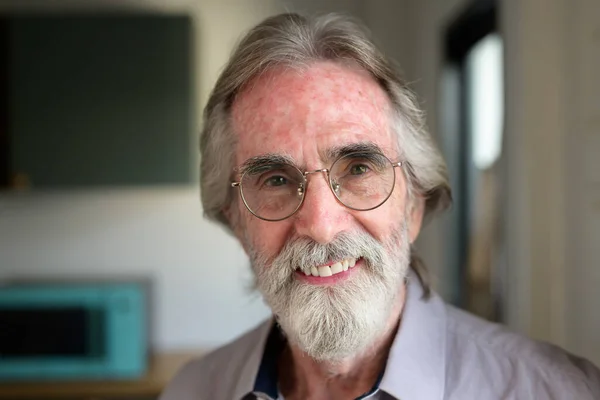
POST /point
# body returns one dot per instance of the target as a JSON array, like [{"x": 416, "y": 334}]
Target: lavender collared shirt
[{"x": 439, "y": 353}]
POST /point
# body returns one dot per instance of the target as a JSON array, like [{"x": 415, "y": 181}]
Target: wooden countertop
[{"x": 162, "y": 368}]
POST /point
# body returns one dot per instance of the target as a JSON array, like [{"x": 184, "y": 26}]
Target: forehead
[{"x": 302, "y": 113}]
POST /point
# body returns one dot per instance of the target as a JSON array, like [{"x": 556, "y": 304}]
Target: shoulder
[
  {"x": 218, "y": 374},
  {"x": 496, "y": 357}
]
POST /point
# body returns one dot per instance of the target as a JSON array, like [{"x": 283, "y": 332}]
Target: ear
[{"x": 416, "y": 212}]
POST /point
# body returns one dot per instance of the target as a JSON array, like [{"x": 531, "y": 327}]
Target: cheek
[
  {"x": 262, "y": 237},
  {"x": 383, "y": 221}
]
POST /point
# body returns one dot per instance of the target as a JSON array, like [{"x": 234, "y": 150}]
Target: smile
[{"x": 325, "y": 271}]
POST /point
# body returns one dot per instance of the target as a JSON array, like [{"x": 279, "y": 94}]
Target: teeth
[
  {"x": 329, "y": 270},
  {"x": 306, "y": 273},
  {"x": 336, "y": 268}
]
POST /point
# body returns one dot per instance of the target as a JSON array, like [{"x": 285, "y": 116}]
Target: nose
[{"x": 320, "y": 217}]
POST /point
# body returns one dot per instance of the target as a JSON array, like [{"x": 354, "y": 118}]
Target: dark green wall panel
[{"x": 101, "y": 100}]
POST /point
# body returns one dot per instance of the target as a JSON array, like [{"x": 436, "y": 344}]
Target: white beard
[{"x": 333, "y": 323}]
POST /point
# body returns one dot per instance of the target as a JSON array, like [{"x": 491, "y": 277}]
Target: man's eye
[
  {"x": 358, "y": 169},
  {"x": 276, "y": 180}
]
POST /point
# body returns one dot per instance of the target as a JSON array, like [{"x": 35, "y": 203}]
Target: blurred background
[{"x": 100, "y": 109}]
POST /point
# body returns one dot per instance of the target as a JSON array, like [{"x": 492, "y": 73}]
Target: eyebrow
[
  {"x": 267, "y": 161},
  {"x": 336, "y": 152},
  {"x": 264, "y": 162}
]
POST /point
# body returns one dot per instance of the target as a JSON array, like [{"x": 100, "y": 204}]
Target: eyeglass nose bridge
[
  {"x": 306, "y": 173},
  {"x": 302, "y": 186}
]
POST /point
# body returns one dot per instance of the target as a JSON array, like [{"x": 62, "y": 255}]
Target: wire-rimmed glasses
[{"x": 360, "y": 181}]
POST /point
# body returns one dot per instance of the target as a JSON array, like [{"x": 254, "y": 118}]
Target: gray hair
[{"x": 296, "y": 41}]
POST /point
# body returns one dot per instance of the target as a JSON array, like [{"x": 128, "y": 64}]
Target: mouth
[{"x": 329, "y": 273}]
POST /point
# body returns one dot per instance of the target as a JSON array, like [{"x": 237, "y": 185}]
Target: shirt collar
[
  {"x": 415, "y": 366},
  {"x": 417, "y": 361}
]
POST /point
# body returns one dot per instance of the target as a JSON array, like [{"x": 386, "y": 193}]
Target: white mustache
[{"x": 304, "y": 253}]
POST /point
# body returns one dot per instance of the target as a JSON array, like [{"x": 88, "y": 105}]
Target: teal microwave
[{"x": 73, "y": 331}]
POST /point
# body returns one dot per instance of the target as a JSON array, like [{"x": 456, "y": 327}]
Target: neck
[{"x": 302, "y": 377}]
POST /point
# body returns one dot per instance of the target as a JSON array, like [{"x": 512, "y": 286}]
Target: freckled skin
[{"x": 301, "y": 114}]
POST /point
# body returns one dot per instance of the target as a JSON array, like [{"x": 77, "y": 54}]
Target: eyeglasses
[{"x": 360, "y": 181}]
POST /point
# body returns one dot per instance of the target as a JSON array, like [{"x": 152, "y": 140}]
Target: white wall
[
  {"x": 535, "y": 165},
  {"x": 582, "y": 148},
  {"x": 351, "y": 7},
  {"x": 553, "y": 109}
]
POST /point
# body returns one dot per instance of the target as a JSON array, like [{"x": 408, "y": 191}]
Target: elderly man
[{"x": 315, "y": 156}]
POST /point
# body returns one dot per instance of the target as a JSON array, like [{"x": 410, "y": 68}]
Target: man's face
[{"x": 303, "y": 116}]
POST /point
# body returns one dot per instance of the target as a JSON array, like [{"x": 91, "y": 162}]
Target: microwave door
[{"x": 47, "y": 332}]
